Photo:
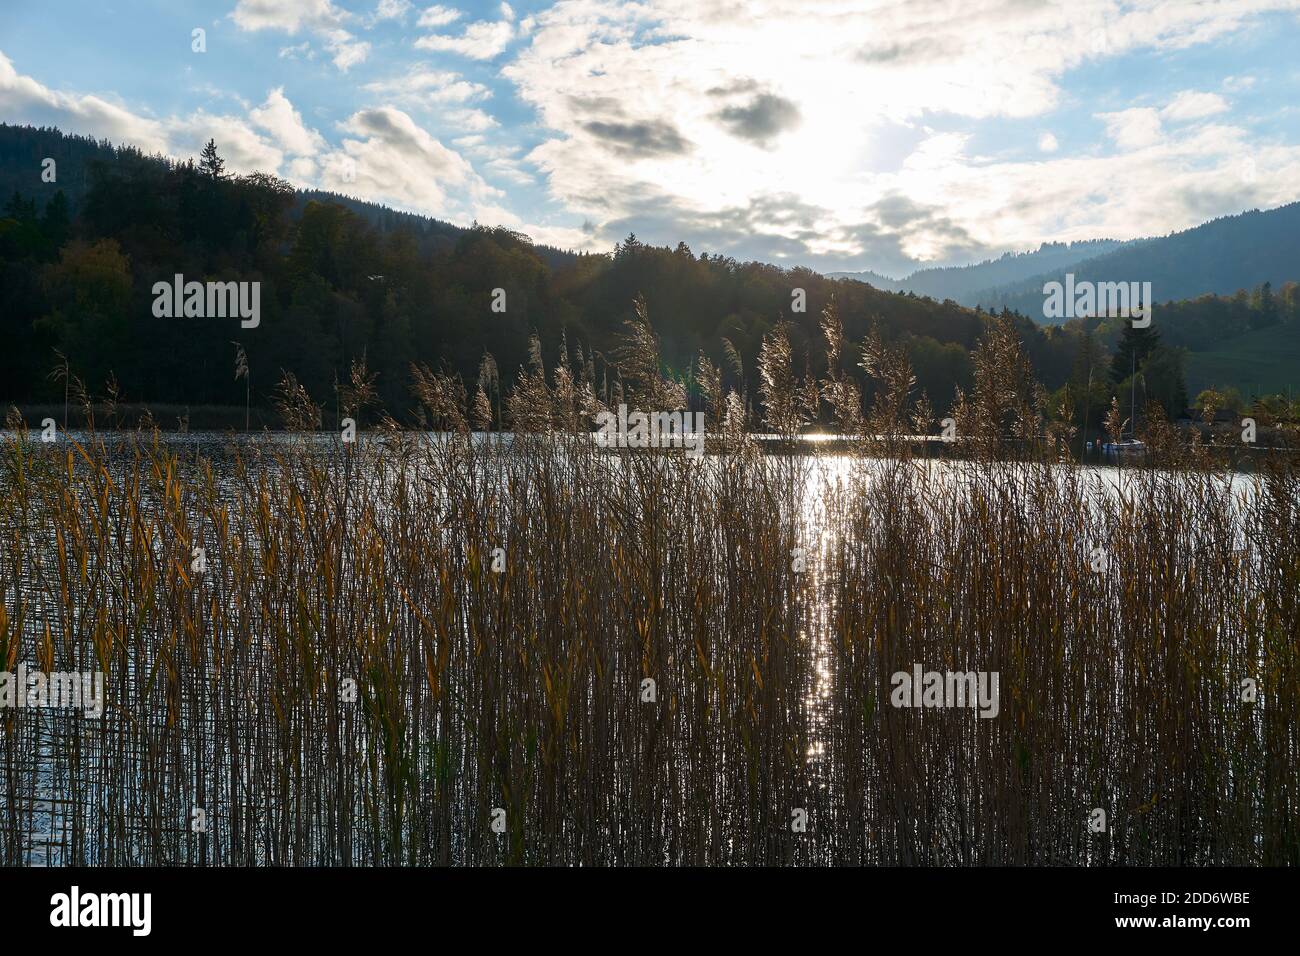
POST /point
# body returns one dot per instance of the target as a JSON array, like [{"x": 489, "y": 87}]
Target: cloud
[
  {"x": 509, "y": 170},
  {"x": 735, "y": 86},
  {"x": 1134, "y": 128},
  {"x": 288, "y": 15},
  {"x": 919, "y": 50},
  {"x": 303, "y": 170},
  {"x": 888, "y": 132},
  {"x": 423, "y": 87},
  {"x": 480, "y": 41},
  {"x": 1191, "y": 105},
  {"x": 390, "y": 10},
  {"x": 639, "y": 139},
  {"x": 438, "y": 16},
  {"x": 24, "y": 99},
  {"x": 245, "y": 150},
  {"x": 762, "y": 119},
  {"x": 239, "y": 144},
  {"x": 387, "y": 157},
  {"x": 471, "y": 119},
  {"x": 302, "y": 50},
  {"x": 347, "y": 51},
  {"x": 888, "y": 98},
  {"x": 383, "y": 154},
  {"x": 284, "y": 123},
  {"x": 321, "y": 17}
]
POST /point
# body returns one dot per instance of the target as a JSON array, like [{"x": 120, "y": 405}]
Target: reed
[{"x": 335, "y": 567}]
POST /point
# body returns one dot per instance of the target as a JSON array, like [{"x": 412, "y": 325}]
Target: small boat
[{"x": 1128, "y": 448}]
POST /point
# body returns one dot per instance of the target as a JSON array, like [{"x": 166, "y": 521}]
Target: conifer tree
[
  {"x": 210, "y": 164},
  {"x": 1134, "y": 348}
]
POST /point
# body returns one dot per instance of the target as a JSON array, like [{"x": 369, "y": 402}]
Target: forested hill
[
  {"x": 342, "y": 279},
  {"x": 24, "y": 149},
  {"x": 1218, "y": 257},
  {"x": 969, "y": 284}
]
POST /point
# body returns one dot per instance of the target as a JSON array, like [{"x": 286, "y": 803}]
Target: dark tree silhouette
[
  {"x": 1134, "y": 348},
  {"x": 210, "y": 164},
  {"x": 341, "y": 278}
]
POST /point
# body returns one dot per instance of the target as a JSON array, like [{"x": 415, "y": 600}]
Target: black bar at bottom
[{"x": 341, "y": 906}]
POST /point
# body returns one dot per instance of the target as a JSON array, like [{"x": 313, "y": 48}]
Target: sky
[{"x": 834, "y": 134}]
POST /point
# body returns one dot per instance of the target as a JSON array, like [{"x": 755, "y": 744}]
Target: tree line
[{"x": 339, "y": 287}]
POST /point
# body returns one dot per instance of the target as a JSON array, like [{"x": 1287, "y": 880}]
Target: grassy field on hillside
[{"x": 1263, "y": 362}]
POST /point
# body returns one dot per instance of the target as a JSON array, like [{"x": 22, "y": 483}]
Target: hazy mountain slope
[
  {"x": 870, "y": 278},
  {"x": 1219, "y": 257},
  {"x": 964, "y": 283}
]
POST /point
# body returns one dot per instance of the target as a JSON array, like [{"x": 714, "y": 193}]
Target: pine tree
[
  {"x": 628, "y": 247},
  {"x": 210, "y": 164},
  {"x": 1135, "y": 346}
]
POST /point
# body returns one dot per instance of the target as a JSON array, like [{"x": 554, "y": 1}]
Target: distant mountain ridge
[
  {"x": 1218, "y": 257},
  {"x": 965, "y": 284}
]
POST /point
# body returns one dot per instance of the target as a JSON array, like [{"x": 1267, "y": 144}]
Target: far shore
[{"x": 217, "y": 420}]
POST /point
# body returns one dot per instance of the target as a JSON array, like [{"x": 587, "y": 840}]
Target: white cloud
[
  {"x": 423, "y": 87},
  {"x": 284, "y": 123},
  {"x": 321, "y": 17},
  {"x": 303, "y": 170},
  {"x": 1181, "y": 181},
  {"x": 474, "y": 120},
  {"x": 1191, "y": 105},
  {"x": 562, "y": 237},
  {"x": 1133, "y": 128},
  {"x": 383, "y": 155},
  {"x": 24, "y": 99},
  {"x": 302, "y": 50},
  {"x": 389, "y": 158},
  {"x": 348, "y": 52},
  {"x": 476, "y": 145},
  {"x": 480, "y": 41},
  {"x": 438, "y": 16},
  {"x": 657, "y": 117},
  {"x": 510, "y": 171},
  {"x": 391, "y": 10},
  {"x": 287, "y": 15},
  {"x": 810, "y": 130},
  {"x": 239, "y": 144}
]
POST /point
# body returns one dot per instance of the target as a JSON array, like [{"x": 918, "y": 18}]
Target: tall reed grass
[{"x": 336, "y": 566}]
